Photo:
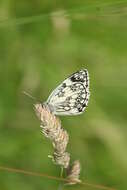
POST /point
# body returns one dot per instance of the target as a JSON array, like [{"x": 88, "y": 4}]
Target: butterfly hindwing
[{"x": 71, "y": 96}]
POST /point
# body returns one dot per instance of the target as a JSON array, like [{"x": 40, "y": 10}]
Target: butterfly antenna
[{"x": 30, "y": 96}]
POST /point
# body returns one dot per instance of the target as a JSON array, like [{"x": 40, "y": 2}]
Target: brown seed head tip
[
  {"x": 42, "y": 111},
  {"x": 74, "y": 173},
  {"x": 38, "y": 109},
  {"x": 38, "y": 106}
]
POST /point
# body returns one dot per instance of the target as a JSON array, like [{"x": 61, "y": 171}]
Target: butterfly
[{"x": 71, "y": 96}]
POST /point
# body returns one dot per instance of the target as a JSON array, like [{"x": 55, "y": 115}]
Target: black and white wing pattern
[{"x": 71, "y": 96}]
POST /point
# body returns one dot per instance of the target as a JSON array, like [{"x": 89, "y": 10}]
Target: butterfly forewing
[{"x": 71, "y": 96}]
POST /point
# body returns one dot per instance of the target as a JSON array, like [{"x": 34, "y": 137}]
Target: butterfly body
[{"x": 71, "y": 96}]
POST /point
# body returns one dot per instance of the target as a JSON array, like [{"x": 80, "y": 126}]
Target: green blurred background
[{"x": 41, "y": 43}]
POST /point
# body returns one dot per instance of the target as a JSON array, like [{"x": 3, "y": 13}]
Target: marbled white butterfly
[{"x": 71, "y": 96}]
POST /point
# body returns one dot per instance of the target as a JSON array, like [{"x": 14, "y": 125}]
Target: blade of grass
[{"x": 21, "y": 171}]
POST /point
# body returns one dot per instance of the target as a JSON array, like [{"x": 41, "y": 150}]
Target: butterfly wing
[{"x": 71, "y": 96}]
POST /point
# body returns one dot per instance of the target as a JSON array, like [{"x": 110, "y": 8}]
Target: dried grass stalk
[{"x": 51, "y": 128}]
